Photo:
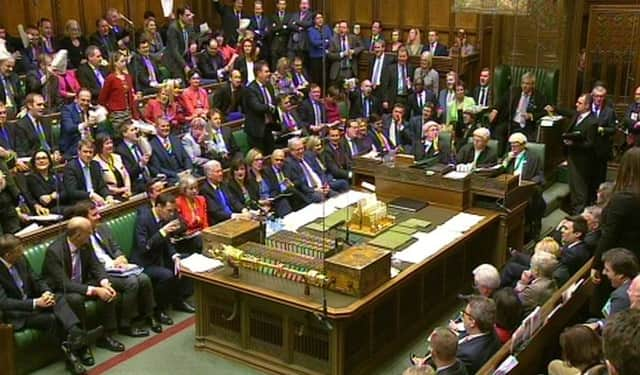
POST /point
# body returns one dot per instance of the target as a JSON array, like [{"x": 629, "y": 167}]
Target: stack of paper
[
  {"x": 462, "y": 222},
  {"x": 304, "y": 216},
  {"x": 200, "y": 263}
]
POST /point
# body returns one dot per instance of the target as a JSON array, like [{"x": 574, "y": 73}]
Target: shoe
[
  {"x": 86, "y": 357},
  {"x": 134, "y": 332},
  {"x": 72, "y": 362},
  {"x": 154, "y": 324},
  {"x": 185, "y": 306},
  {"x": 163, "y": 318},
  {"x": 76, "y": 339},
  {"x": 109, "y": 343}
]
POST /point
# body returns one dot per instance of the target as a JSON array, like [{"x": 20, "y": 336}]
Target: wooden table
[{"x": 268, "y": 323}]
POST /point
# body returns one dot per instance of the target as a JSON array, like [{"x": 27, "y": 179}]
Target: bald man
[{"x": 72, "y": 270}]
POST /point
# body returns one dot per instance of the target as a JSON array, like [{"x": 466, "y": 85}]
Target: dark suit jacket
[
  {"x": 487, "y": 157},
  {"x": 10, "y": 143},
  {"x": 57, "y": 267},
  {"x": 334, "y": 55},
  {"x": 581, "y": 153},
  {"x": 387, "y": 60},
  {"x": 108, "y": 243},
  {"x": 571, "y": 259},
  {"x": 174, "y": 57},
  {"x": 255, "y": 109},
  {"x": 215, "y": 207},
  {"x": 443, "y": 153},
  {"x": 457, "y": 369},
  {"x": 476, "y": 95},
  {"x": 49, "y": 90},
  {"x": 69, "y": 134},
  {"x": 27, "y": 140},
  {"x": 169, "y": 164},
  {"x": 356, "y": 109},
  {"x": 141, "y": 76},
  {"x": 37, "y": 187},
  {"x": 241, "y": 65},
  {"x": 508, "y": 105},
  {"x": 227, "y": 100},
  {"x": 263, "y": 29},
  {"x": 87, "y": 78},
  {"x": 235, "y": 191},
  {"x": 293, "y": 171},
  {"x": 533, "y": 169},
  {"x": 74, "y": 184},
  {"x": 280, "y": 32},
  {"x": 404, "y": 137},
  {"x": 107, "y": 44},
  {"x": 441, "y": 49},
  {"x": 297, "y": 81},
  {"x": 229, "y": 21},
  {"x": 151, "y": 248},
  {"x": 620, "y": 225},
  {"x": 390, "y": 83},
  {"x": 307, "y": 115},
  {"x": 603, "y": 142},
  {"x": 413, "y": 109},
  {"x": 134, "y": 169},
  {"x": 475, "y": 352},
  {"x": 298, "y": 40},
  {"x": 208, "y": 66},
  {"x": 338, "y": 161},
  {"x": 14, "y": 81},
  {"x": 14, "y": 308}
]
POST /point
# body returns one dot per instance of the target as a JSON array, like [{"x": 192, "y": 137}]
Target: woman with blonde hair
[
  {"x": 150, "y": 33},
  {"x": 75, "y": 43},
  {"x": 520, "y": 262},
  {"x": 164, "y": 105},
  {"x": 414, "y": 43},
  {"x": 425, "y": 71}
]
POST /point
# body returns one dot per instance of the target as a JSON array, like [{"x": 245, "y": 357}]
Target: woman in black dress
[{"x": 46, "y": 189}]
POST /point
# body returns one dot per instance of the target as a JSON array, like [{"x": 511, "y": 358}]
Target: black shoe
[
  {"x": 86, "y": 357},
  {"x": 76, "y": 339},
  {"x": 163, "y": 318},
  {"x": 134, "y": 332},
  {"x": 109, "y": 343},
  {"x": 154, "y": 324},
  {"x": 185, "y": 306},
  {"x": 72, "y": 362}
]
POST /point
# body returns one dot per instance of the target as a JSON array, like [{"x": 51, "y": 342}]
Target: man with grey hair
[
  {"x": 536, "y": 285},
  {"x": 486, "y": 279},
  {"x": 308, "y": 185},
  {"x": 478, "y": 153},
  {"x": 592, "y": 215},
  {"x": 9, "y": 84},
  {"x": 280, "y": 187},
  {"x": 220, "y": 203},
  {"x": 481, "y": 342}
]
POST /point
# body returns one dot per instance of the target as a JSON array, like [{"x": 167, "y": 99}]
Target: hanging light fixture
[{"x": 498, "y": 7}]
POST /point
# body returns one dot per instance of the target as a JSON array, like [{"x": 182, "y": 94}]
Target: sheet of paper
[
  {"x": 52, "y": 217},
  {"x": 28, "y": 229},
  {"x": 200, "y": 263},
  {"x": 506, "y": 366},
  {"x": 455, "y": 175},
  {"x": 462, "y": 222}
]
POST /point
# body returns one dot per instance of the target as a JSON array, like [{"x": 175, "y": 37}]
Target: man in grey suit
[
  {"x": 343, "y": 53},
  {"x": 179, "y": 33}
]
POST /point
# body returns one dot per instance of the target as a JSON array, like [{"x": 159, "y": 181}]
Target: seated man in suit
[
  {"x": 134, "y": 159},
  {"x": 223, "y": 146},
  {"x": 220, "y": 203},
  {"x": 428, "y": 113},
  {"x": 444, "y": 346},
  {"x": 8, "y": 152},
  {"x": 397, "y": 129},
  {"x": 379, "y": 140},
  {"x": 228, "y": 97},
  {"x": 76, "y": 123},
  {"x": 278, "y": 183},
  {"x": 92, "y": 74},
  {"x": 419, "y": 98},
  {"x": 480, "y": 341},
  {"x": 26, "y": 301},
  {"x": 574, "y": 252},
  {"x": 212, "y": 65},
  {"x": 145, "y": 72},
  {"x": 313, "y": 113},
  {"x": 43, "y": 81},
  {"x": 83, "y": 177},
  {"x": 521, "y": 162},
  {"x": 337, "y": 155},
  {"x": 31, "y": 134},
  {"x": 299, "y": 75},
  {"x": 315, "y": 157},
  {"x": 363, "y": 102},
  {"x": 309, "y": 187},
  {"x": 155, "y": 226},
  {"x": 291, "y": 125},
  {"x": 478, "y": 153},
  {"x": 429, "y": 145},
  {"x": 103, "y": 38},
  {"x": 353, "y": 144},
  {"x": 10, "y": 93},
  {"x": 72, "y": 270},
  {"x": 136, "y": 291},
  {"x": 168, "y": 157}
]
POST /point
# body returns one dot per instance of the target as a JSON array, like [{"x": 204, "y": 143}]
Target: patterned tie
[
  {"x": 42, "y": 137},
  {"x": 167, "y": 145},
  {"x": 76, "y": 267},
  {"x": 17, "y": 280},
  {"x": 8, "y": 92}
]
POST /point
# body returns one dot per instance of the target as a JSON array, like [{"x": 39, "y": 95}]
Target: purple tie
[{"x": 99, "y": 76}]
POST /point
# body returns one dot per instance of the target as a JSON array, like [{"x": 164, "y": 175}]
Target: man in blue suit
[
  {"x": 309, "y": 187},
  {"x": 75, "y": 122},
  {"x": 480, "y": 341},
  {"x": 168, "y": 156},
  {"x": 220, "y": 204},
  {"x": 154, "y": 251}
]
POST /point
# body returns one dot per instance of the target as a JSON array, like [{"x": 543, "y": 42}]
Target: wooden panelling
[
  {"x": 67, "y": 10},
  {"x": 439, "y": 14},
  {"x": 40, "y": 9},
  {"x": 338, "y": 9},
  {"x": 390, "y": 13},
  {"x": 413, "y": 13},
  {"x": 364, "y": 11}
]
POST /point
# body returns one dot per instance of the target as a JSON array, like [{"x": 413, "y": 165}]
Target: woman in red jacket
[
  {"x": 165, "y": 105},
  {"x": 192, "y": 209},
  {"x": 118, "y": 94}
]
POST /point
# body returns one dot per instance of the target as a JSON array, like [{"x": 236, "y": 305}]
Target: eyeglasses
[{"x": 464, "y": 312}]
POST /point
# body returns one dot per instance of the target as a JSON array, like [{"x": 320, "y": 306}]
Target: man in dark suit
[
  {"x": 72, "y": 270},
  {"x": 604, "y": 112},
  {"x": 363, "y": 102},
  {"x": 224, "y": 148},
  {"x": 426, "y": 114},
  {"x": 134, "y": 159},
  {"x": 31, "y": 135},
  {"x": 8, "y": 141},
  {"x": 26, "y": 301},
  {"x": 300, "y": 22},
  {"x": 145, "y": 72},
  {"x": 419, "y": 98},
  {"x": 155, "y": 226},
  {"x": 574, "y": 252},
  {"x": 167, "y": 154},
  {"x": 75, "y": 122},
  {"x": 231, "y": 16},
  {"x": 379, "y": 61},
  {"x": 478, "y": 153},
  {"x": 337, "y": 155},
  {"x": 299, "y": 75},
  {"x": 279, "y": 185},
  {"x": 434, "y": 46},
  {"x": 444, "y": 346},
  {"x": 261, "y": 27},
  {"x": 43, "y": 81},
  {"x": 397, "y": 129},
  {"x": 259, "y": 104},
  {"x": 211, "y": 64},
  {"x": 179, "y": 33},
  {"x": 103, "y": 38},
  {"x": 480, "y": 341},
  {"x": 312, "y": 111},
  {"x": 309, "y": 187},
  {"x": 136, "y": 291},
  {"x": 344, "y": 50},
  {"x": 220, "y": 204},
  {"x": 376, "y": 35},
  {"x": 228, "y": 97},
  {"x": 280, "y": 32},
  {"x": 483, "y": 93},
  {"x": 10, "y": 94},
  {"x": 397, "y": 81},
  {"x": 83, "y": 177},
  {"x": 92, "y": 74},
  {"x": 518, "y": 111}
]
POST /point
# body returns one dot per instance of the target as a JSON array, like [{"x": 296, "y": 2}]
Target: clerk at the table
[{"x": 478, "y": 153}]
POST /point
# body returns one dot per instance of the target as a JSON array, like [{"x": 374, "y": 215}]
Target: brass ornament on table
[{"x": 370, "y": 217}]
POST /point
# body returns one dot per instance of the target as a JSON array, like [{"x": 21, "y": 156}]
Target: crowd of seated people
[{"x": 135, "y": 116}]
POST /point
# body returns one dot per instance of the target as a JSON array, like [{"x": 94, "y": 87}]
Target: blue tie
[
  {"x": 87, "y": 178},
  {"x": 223, "y": 200},
  {"x": 17, "y": 280}
]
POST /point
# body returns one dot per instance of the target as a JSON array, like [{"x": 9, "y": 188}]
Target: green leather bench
[
  {"x": 507, "y": 76},
  {"x": 28, "y": 342}
]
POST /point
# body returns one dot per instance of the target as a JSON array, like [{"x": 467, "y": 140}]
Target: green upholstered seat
[
  {"x": 493, "y": 144},
  {"x": 122, "y": 228},
  {"x": 35, "y": 255},
  {"x": 506, "y": 76},
  {"x": 240, "y": 137},
  {"x": 537, "y": 149}
]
